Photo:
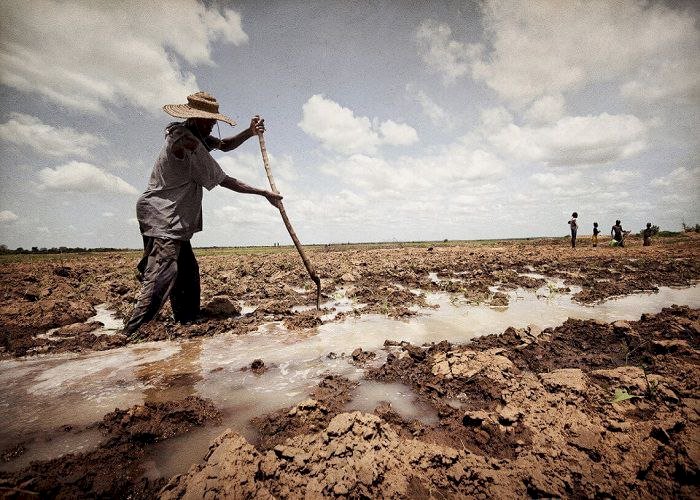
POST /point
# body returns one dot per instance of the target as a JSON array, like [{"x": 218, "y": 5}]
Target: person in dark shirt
[
  {"x": 648, "y": 233},
  {"x": 618, "y": 235},
  {"x": 574, "y": 228},
  {"x": 596, "y": 232}
]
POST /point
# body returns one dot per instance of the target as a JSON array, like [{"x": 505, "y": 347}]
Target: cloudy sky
[{"x": 387, "y": 120}]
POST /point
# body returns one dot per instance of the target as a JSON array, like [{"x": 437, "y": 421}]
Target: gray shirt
[{"x": 171, "y": 207}]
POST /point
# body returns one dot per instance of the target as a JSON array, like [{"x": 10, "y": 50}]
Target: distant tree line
[
  {"x": 53, "y": 250},
  {"x": 690, "y": 229},
  {"x": 43, "y": 250}
]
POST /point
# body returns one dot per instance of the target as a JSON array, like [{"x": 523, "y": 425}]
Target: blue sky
[{"x": 387, "y": 121}]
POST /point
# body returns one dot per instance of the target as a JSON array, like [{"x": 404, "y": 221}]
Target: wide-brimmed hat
[{"x": 199, "y": 105}]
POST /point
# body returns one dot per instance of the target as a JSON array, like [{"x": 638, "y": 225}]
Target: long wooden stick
[{"x": 288, "y": 224}]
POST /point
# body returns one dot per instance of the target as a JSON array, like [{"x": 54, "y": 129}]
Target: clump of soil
[
  {"x": 326, "y": 401},
  {"x": 357, "y": 455},
  {"x": 153, "y": 422},
  {"x": 114, "y": 469},
  {"x": 257, "y": 366},
  {"x": 221, "y": 306},
  {"x": 525, "y": 414},
  {"x": 303, "y": 320},
  {"x": 360, "y": 356}
]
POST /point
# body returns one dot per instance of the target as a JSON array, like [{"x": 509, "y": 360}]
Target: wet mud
[
  {"x": 115, "y": 468},
  {"x": 516, "y": 420},
  {"x": 522, "y": 414},
  {"x": 36, "y": 297},
  {"x": 585, "y": 409}
]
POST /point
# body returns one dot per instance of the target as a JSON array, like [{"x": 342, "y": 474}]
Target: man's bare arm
[
  {"x": 242, "y": 187},
  {"x": 257, "y": 126}
]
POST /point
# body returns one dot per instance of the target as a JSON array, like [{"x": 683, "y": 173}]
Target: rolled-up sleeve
[{"x": 204, "y": 169}]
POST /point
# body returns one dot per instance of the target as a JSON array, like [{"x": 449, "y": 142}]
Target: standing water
[{"x": 60, "y": 395}]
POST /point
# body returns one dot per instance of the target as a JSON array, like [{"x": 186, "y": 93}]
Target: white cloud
[
  {"x": 107, "y": 214},
  {"x": 90, "y": 55},
  {"x": 251, "y": 210},
  {"x": 340, "y": 130},
  {"x": 249, "y": 168},
  {"x": 616, "y": 177},
  {"x": 677, "y": 78},
  {"x": 557, "y": 180},
  {"x": 432, "y": 110},
  {"x": 680, "y": 178},
  {"x": 337, "y": 127},
  {"x": 7, "y": 216},
  {"x": 371, "y": 174},
  {"x": 398, "y": 134},
  {"x": 84, "y": 178},
  {"x": 545, "y": 110},
  {"x": 575, "y": 140},
  {"x": 457, "y": 166},
  {"x": 494, "y": 119},
  {"x": 341, "y": 207},
  {"x": 30, "y": 131},
  {"x": 444, "y": 55},
  {"x": 246, "y": 167},
  {"x": 551, "y": 47}
]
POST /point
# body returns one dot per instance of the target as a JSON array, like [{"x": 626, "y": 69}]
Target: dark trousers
[
  {"x": 169, "y": 270},
  {"x": 573, "y": 238}
]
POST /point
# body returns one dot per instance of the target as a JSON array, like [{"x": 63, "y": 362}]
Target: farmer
[
  {"x": 170, "y": 210},
  {"x": 648, "y": 233},
  {"x": 618, "y": 235},
  {"x": 596, "y": 232},
  {"x": 574, "y": 228}
]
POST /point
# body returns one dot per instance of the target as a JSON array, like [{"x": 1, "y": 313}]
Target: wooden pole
[{"x": 288, "y": 224}]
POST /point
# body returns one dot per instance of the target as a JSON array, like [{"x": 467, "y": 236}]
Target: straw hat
[{"x": 199, "y": 105}]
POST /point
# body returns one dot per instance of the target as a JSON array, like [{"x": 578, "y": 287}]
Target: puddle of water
[
  {"x": 106, "y": 317},
  {"x": 340, "y": 303},
  {"x": 43, "y": 449},
  {"x": 246, "y": 308},
  {"x": 402, "y": 399},
  {"x": 110, "y": 323},
  {"x": 44, "y": 393}
]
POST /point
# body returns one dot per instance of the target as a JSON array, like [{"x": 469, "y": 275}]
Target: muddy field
[{"x": 584, "y": 409}]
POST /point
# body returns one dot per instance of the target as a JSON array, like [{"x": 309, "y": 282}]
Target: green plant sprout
[
  {"x": 385, "y": 306},
  {"x": 652, "y": 387},
  {"x": 622, "y": 395}
]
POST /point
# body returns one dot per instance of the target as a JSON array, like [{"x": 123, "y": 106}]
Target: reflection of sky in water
[{"x": 43, "y": 393}]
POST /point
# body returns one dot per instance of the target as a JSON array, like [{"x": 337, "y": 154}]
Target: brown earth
[
  {"x": 42, "y": 294},
  {"x": 520, "y": 415},
  {"x": 527, "y": 413},
  {"x": 114, "y": 469}
]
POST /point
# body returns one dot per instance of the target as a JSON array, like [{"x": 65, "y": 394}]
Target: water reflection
[
  {"x": 174, "y": 377},
  {"x": 42, "y": 394}
]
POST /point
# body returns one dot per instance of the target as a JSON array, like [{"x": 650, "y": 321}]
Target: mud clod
[
  {"x": 258, "y": 366},
  {"x": 114, "y": 469}
]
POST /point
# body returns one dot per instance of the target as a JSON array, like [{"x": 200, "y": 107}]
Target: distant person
[
  {"x": 170, "y": 210},
  {"x": 574, "y": 228},
  {"x": 596, "y": 232},
  {"x": 648, "y": 233},
  {"x": 618, "y": 235}
]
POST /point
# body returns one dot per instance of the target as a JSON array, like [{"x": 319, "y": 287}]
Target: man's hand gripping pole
[{"x": 288, "y": 224}]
